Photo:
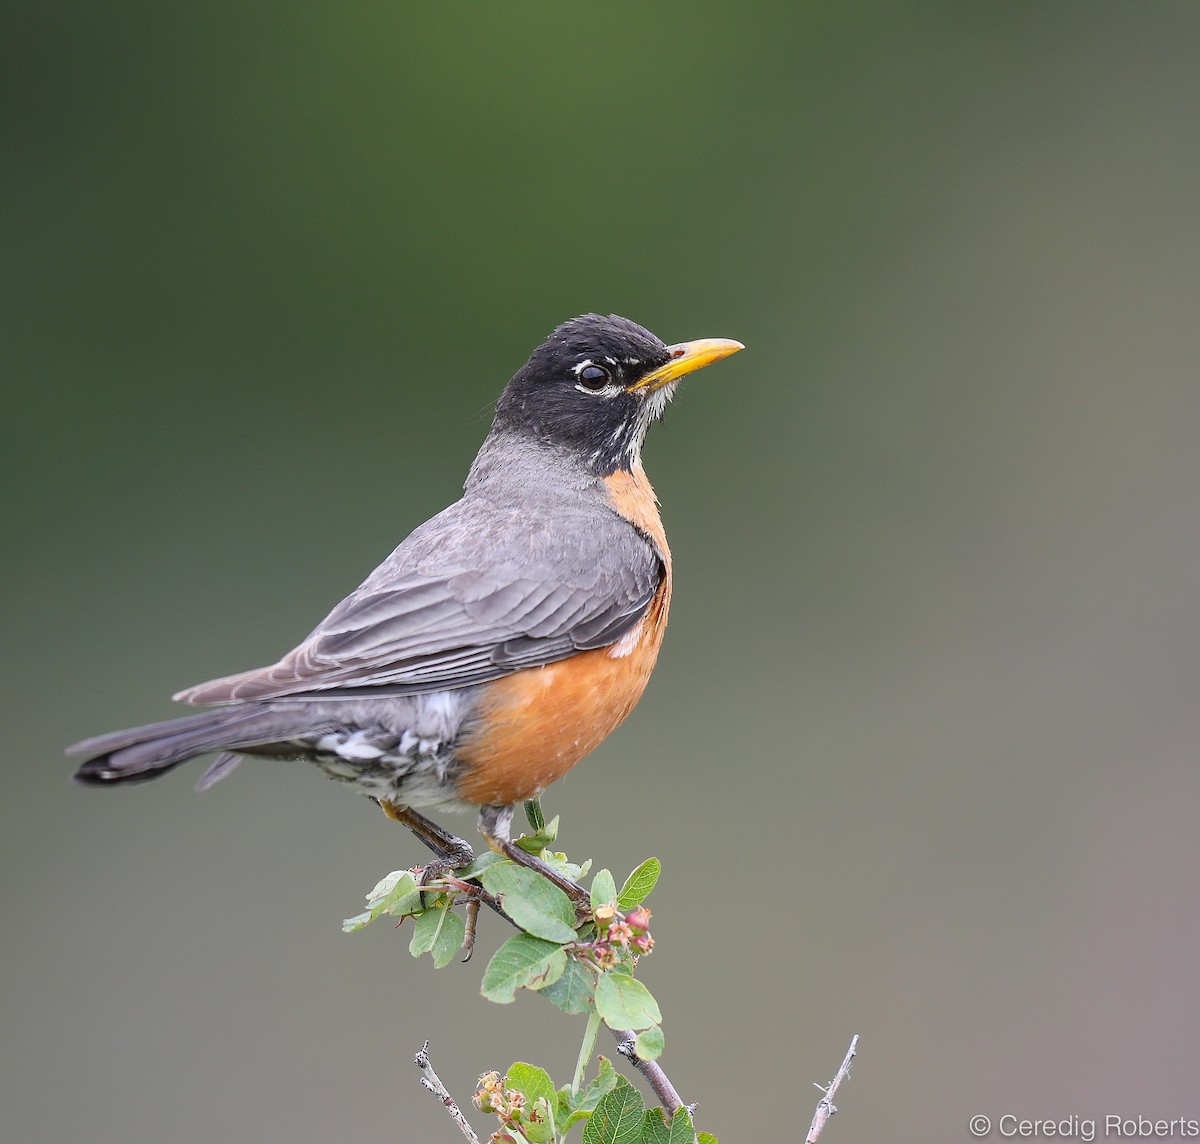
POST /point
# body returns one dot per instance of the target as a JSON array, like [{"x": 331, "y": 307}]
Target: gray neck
[{"x": 512, "y": 460}]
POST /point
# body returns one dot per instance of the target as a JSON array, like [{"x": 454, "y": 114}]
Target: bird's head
[{"x": 596, "y": 383}]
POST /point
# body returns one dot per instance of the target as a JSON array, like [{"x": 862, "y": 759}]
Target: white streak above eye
[{"x": 578, "y": 369}]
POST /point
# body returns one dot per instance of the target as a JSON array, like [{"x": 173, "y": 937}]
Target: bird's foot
[
  {"x": 451, "y": 854},
  {"x": 432, "y": 873},
  {"x": 447, "y": 846}
]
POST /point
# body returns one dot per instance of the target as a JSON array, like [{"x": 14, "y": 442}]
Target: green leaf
[
  {"x": 604, "y": 889},
  {"x": 533, "y": 812},
  {"x": 522, "y": 962},
  {"x": 601, "y": 1084},
  {"x": 639, "y": 884},
  {"x": 536, "y": 842},
  {"x": 649, "y": 1043},
  {"x": 538, "y": 906},
  {"x": 554, "y": 970},
  {"x": 440, "y": 931},
  {"x": 573, "y": 1108},
  {"x": 574, "y": 991},
  {"x": 387, "y": 884},
  {"x": 425, "y": 927},
  {"x": 534, "y": 1082},
  {"x": 625, "y": 1003},
  {"x": 568, "y": 869},
  {"x": 352, "y": 925},
  {"x": 395, "y": 894},
  {"x": 678, "y": 1130},
  {"x": 618, "y": 1117},
  {"x": 563, "y": 1116},
  {"x": 706, "y": 1138},
  {"x": 449, "y": 939},
  {"x": 403, "y": 897}
]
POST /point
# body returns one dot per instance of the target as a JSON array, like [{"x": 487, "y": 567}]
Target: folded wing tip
[{"x": 215, "y": 691}]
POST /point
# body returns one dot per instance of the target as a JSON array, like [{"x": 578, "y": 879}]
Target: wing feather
[{"x": 463, "y": 601}]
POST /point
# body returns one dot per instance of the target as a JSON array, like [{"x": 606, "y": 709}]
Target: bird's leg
[
  {"x": 453, "y": 853},
  {"x": 494, "y": 824}
]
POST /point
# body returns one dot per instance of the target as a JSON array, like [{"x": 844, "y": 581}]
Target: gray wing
[{"x": 470, "y": 596}]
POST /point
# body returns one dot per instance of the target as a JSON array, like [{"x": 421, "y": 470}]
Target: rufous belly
[{"x": 535, "y": 725}]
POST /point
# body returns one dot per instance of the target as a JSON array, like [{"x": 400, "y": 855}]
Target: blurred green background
[{"x": 920, "y": 755}]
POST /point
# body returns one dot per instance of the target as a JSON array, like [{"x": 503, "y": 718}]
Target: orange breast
[{"x": 535, "y": 725}]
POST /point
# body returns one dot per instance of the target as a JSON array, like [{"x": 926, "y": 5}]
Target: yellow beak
[{"x": 685, "y": 358}]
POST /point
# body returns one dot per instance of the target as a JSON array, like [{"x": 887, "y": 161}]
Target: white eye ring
[{"x": 608, "y": 392}]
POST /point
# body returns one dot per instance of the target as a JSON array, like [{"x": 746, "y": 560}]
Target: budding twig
[
  {"x": 825, "y": 1106},
  {"x": 431, "y": 1081}
]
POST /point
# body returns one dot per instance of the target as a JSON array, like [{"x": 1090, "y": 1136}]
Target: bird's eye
[{"x": 593, "y": 377}]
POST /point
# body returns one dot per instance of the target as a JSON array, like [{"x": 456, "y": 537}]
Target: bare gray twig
[
  {"x": 825, "y": 1106},
  {"x": 431, "y": 1081}
]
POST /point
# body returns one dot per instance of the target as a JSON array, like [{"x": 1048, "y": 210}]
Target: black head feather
[{"x": 573, "y": 391}]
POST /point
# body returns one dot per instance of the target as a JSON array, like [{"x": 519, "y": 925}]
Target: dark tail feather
[{"x": 143, "y": 753}]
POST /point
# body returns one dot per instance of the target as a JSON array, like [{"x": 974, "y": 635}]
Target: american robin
[{"x": 503, "y": 639}]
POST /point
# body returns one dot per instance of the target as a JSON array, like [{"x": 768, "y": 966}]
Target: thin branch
[
  {"x": 431, "y": 1081},
  {"x": 652, "y": 1071},
  {"x": 825, "y": 1106}
]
